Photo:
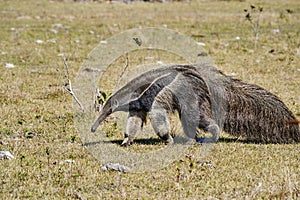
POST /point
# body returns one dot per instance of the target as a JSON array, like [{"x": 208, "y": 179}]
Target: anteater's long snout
[
  {"x": 105, "y": 112},
  {"x": 97, "y": 123}
]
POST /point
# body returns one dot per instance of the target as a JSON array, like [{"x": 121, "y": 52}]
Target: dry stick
[
  {"x": 124, "y": 69},
  {"x": 68, "y": 85},
  {"x": 96, "y": 104},
  {"x": 255, "y": 27},
  {"x": 256, "y": 30}
]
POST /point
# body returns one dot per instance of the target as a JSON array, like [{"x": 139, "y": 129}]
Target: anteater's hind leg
[
  {"x": 134, "y": 124},
  {"x": 193, "y": 120},
  {"x": 210, "y": 126}
]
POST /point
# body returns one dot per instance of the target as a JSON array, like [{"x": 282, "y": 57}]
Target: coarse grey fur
[{"x": 205, "y": 99}]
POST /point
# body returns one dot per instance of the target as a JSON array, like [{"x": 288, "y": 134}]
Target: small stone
[
  {"x": 52, "y": 41},
  {"x": 233, "y": 74},
  {"x": 204, "y": 163},
  {"x": 201, "y": 44},
  {"x": 67, "y": 161},
  {"x": 9, "y": 65},
  {"x": 54, "y": 31},
  {"x": 57, "y": 26},
  {"x": 275, "y": 31},
  {"x": 115, "y": 167},
  {"x": 39, "y": 41},
  {"x": 6, "y": 155}
]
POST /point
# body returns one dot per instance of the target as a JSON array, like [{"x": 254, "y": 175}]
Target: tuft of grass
[{"x": 36, "y": 120}]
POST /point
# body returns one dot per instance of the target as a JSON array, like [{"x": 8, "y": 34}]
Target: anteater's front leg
[
  {"x": 161, "y": 124},
  {"x": 134, "y": 124}
]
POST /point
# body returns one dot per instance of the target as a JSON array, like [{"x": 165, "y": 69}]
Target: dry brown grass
[{"x": 36, "y": 120}]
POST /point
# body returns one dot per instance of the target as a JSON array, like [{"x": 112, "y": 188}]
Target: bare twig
[
  {"x": 255, "y": 25},
  {"x": 68, "y": 85},
  {"x": 124, "y": 69},
  {"x": 97, "y": 104},
  {"x": 256, "y": 29},
  {"x": 100, "y": 96}
]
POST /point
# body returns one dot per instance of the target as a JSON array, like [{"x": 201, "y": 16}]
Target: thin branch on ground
[{"x": 68, "y": 85}]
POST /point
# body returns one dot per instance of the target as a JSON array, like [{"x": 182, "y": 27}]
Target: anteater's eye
[{"x": 116, "y": 103}]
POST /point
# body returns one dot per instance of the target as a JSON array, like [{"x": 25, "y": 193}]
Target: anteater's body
[{"x": 205, "y": 99}]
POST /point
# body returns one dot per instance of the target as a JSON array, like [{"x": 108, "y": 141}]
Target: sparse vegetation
[
  {"x": 36, "y": 120},
  {"x": 255, "y": 23}
]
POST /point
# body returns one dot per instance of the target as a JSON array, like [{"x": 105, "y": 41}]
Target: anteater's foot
[{"x": 127, "y": 142}]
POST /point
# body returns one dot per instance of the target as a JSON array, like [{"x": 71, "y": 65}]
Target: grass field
[{"x": 36, "y": 112}]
